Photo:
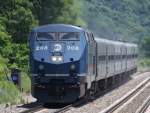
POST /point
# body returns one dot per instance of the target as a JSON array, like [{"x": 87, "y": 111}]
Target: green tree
[
  {"x": 58, "y": 11},
  {"x": 115, "y": 19},
  {"x": 17, "y": 21},
  {"x": 19, "y": 18},
  {"x": 146, "y": 46},
  {"x": 4, "y": 36}
]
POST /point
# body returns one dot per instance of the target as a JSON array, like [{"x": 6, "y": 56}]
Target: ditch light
[{"x": 57, "y": 58}]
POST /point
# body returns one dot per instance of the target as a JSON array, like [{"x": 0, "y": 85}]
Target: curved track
[
  {"x": 34, "y": 109},
  {"x": 112, "y": 108},
  {"x": 144, "y": 106},
  {"x": 42, "y": 109}
]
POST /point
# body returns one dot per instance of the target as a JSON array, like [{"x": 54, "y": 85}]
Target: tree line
[
  {"x": 112, "y": 19},
  {"x": 18, "y": 17},
  {"x": 126, "y": 20}
]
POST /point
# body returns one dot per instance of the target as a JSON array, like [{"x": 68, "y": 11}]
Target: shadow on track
[{"x": 80, "y": 102}]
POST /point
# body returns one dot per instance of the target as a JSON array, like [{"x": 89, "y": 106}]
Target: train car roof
[
  {"x": 114, "y": 42},
  {"x": 58, "y": 28},
  {"x": 107, "y": 41}
]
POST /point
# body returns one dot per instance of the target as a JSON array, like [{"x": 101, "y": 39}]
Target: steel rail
[
  {"x": 61, "y": 110},
  {"x": 125, "y": 98},
  {"x": 34, "y": 109},
  {"x": 144, "y": 106},
  {"x": 66, "y": 108},
  {"x": 110, "y": 109}
]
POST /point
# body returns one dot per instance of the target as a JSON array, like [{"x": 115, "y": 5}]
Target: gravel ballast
[
  {"x": 6, "y": 108},
  {"x": 104, "y": 101},
  {"x": 97, "y": 105},
  {"x": 136, "y": 102}
]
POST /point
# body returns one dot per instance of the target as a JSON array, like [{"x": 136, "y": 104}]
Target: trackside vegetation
[
  {"x": 17, "y": 18},
  {"x": 113, "y": 19}
]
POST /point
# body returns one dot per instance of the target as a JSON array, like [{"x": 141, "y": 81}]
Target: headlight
[
  {"x": 41, "y": 67},
  {"x": 57, "y": 58},
  {"x": 54, "y": 59},
  {"x": 72, "y": 67},
  {"x": 60, "y": 58}
]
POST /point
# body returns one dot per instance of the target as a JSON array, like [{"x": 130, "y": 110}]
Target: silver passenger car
[{"x": 114, "y": 57}]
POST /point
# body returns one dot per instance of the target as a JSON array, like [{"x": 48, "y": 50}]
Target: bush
[
  {"x": 26, "y": 82},
  {"x": 3, "y": 68},
  {"x": 9, "y": 93},
  {"x": 144, "y": 64}
]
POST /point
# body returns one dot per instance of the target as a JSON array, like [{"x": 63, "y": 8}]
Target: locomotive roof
[{"x": 58, "y": 28}]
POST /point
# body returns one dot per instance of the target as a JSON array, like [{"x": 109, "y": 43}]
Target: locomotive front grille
[
  {"x": 56, "y": 91},
  {"x": 57, "y": 81}
]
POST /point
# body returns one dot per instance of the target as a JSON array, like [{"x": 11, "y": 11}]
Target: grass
[
  {"x": 9, "y": 93},
  {"x": 26, "y": 82},
  {"x": 143, "y": 64}
]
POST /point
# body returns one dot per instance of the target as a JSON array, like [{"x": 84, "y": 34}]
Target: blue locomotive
[{"x": 67, "y": 62}]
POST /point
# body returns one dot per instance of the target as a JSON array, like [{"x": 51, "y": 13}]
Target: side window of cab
[
  {"x": 92, "y": 36},
  {"x": 89, "y": 37}
]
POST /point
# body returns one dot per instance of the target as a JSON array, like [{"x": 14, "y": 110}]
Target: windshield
[
  {"x": 44, "y": 36},
  {"x": 69, "y": 36}
]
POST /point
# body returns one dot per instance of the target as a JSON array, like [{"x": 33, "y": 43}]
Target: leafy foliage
[
  {"x": 112, "y": 19},
  {"x": 3, "y": 68},
  {"x": 17, "y": 18},
  {"x": 58, "y": 11},
  {"x": 118, "y": 19},
  {"x": 143, "y": 64},
  {"x": 9, "y": 93},
  {"x": 4, "y": 37},
  {"x": 146, "y": 46}
]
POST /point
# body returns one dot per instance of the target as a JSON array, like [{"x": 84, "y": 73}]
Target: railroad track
[
  {"x": 115, "y": 106},
  {"x": 66, "y": 108},
  {"x": 42, "y": 109},
  {"x": 34, "y": 109},
  {"x": 110, "y": 109},
  {"x": 144, "y": 106}
]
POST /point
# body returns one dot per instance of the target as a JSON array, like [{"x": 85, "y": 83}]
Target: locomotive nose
[
  {"x": 58, "y": 47},
  {"x": 72, "y": 71},
  {"x": 57, "y": 52},
  {"x": 57, "y": 57}
]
